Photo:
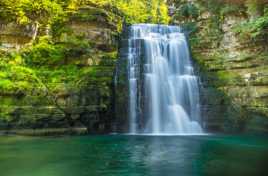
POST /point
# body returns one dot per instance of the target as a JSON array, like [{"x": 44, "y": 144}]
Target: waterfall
[{"x": 163, "y": 90}]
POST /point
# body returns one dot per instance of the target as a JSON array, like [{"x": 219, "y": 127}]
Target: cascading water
[{"x": 163, "y": 90}]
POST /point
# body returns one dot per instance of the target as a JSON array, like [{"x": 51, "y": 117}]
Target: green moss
[{"x": 228, "y": 77}]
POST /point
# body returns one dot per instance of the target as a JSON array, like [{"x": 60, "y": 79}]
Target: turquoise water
[{"x": 119, "y": 155}]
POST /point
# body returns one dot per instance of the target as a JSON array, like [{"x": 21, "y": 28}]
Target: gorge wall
[{"x": 231, "y": 60}]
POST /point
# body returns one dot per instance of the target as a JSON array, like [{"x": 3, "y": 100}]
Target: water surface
[{"x": 123, "y": 155}]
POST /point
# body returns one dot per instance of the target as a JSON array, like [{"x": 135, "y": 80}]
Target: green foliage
[
  {"x": 189, "y": 11},
  {"x": 253, "y": 28},
  {"x": 43, "y": 53},
  {"x": 75, "y": 46},
  {"x": 257, "y": 24},
  {"x": 212, "y": 6},
  {"x": 27, "y": 11},
  {"x": 255, "y": 7},
  {"x": 232, "y": 9},
  {"x": 53, "y": 13},
  {"x": 137, "y": 11},
  {"x": 90, "y": 14},
  {"x": 187, "y": 15},
  {"x": 16, "y": 79}
]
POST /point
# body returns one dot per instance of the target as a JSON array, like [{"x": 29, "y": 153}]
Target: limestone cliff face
[
  {"x": 233, "y": 71},
  {"x": 14, "y": 36},
  {"x": 68, "y": 104}
]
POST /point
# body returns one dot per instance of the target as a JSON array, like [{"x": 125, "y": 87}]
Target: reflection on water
[
  {"x": 164, "y": 155},
  {"x": 134, "y": 156}
]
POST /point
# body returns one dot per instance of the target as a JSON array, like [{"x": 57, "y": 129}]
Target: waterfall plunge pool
[{"x": 127, "y": 155}]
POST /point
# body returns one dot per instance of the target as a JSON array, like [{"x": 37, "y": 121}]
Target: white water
[{"x": 164, "y": 80}]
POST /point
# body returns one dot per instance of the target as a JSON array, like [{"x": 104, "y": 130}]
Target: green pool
[{"x": 123, "y": 155}]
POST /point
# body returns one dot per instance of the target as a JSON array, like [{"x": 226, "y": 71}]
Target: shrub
[{"x": 43, "y": 53}]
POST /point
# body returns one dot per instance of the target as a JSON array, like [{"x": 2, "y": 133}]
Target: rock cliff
[{"x": 233, "y": 69}]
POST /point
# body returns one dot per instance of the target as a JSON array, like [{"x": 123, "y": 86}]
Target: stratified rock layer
[{"x": 233, "y": 71}]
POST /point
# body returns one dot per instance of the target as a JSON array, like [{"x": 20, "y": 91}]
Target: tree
[{"x": 38, "y": 13}]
